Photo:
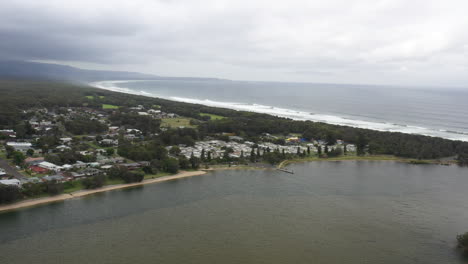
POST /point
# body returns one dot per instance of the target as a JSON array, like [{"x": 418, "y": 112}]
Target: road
[{"x": 10, "y": 170}]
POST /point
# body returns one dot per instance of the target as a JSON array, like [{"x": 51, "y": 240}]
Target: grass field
[
  {"x": 212, "y": 116},
  {"x": 108, "y": 106},
  {"x": 91, "y": 97},
  {"x": 176, "y": 122}
]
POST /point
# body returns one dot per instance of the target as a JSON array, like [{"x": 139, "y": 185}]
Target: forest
[{"x": 22, "y": 95}]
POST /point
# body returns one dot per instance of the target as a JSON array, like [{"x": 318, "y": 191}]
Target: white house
[
  {"x": 20, "y": 146},
  {"x": 11, "y": 182},
  {"x": 49, "y": 166}
]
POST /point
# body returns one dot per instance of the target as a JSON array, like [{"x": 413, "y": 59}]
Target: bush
[
  {"x": 463, "y": 243},
  {"x": 9, "y": 193},
  {"x": 94, "y": 182}
]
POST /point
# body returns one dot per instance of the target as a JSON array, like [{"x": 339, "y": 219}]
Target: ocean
[{"x": 432, "y": 112}]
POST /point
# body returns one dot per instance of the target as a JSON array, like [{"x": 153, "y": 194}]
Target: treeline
[{"x": 21, "y": 95}]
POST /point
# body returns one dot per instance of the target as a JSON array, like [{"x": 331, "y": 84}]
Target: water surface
[{"x": 327, "y": 212}]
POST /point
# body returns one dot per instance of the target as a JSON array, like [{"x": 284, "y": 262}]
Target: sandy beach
[{"x": 62, "y": 197}]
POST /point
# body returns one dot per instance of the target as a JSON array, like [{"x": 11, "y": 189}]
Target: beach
[{"x": 81, "y": 193}]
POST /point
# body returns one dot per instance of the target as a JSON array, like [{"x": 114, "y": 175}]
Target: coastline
[
  {"x": 186, "y": 174},
  {"x": 285, "y": 163},
  {"x": 81, "y": 193},
  {"x": 290, "y": 113}
]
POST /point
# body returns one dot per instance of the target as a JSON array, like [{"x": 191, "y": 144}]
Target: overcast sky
[{"x": 414, "y": 42}]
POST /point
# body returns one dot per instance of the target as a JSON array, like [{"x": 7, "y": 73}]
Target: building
[
  {"x": 37, "y": 169},
  {"x": 20, "y": 146},
  {"x": 49, "y": 166},
  {"x": 58, "y": 178},
  {"x": 8, "y": 133},
  {"x": 34, "y": 161},
  {"x": 11, "y": 182}
]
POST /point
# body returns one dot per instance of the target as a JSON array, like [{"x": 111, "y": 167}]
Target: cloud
[{"x": 363, "y": 41}]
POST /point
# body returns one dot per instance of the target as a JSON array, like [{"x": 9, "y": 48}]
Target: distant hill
[
  {"x": 47, "y": 71},
  {"x": 24, "y": 70}
]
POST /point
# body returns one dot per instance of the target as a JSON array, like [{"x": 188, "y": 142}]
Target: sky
[{"x": 395, "y": 42}]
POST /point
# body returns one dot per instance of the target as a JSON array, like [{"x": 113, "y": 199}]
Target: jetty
[{"x": 285, "y": 170}]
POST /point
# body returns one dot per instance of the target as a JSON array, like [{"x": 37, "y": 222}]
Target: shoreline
[
  {"x": 285, "y": 163},
  {"x": 185, "y": 174},
  {"x": 291, "y": 113},
  {"x": 81, "y": 193}
]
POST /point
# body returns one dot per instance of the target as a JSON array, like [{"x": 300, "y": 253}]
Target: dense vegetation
[
  {"x": 463, "y": 243},
  {"x": 20, "y": 95}
]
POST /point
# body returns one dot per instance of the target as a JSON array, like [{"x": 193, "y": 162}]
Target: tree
[
  {"x": 308, "y": 150},
  {"x": 9, "y": 193},
  {"x": 202, "y": 155},
  {"x": 331, "y": 137},
  {"x": 462, "y": 243},
  {"x": 54, "y": 187},
  {"x": 174, "y": 151},
  {"x": 94, "y": 182},
  {"x": 171, "y": 165},
  {"x": 208, "y": 158},
  {"x": 30, "y": 152},
  {"x": 9, "y": 151},
  {"x": 252, "y": 155},
  {"x": 361, "y": 143},
  {"x": 110, "y": 152},
  {"x": 345, "y": 149},
  {"x": 194, "y": 162},
  {"x": 326, "y": 149},
  {"x": 319, "y": 150},
  {"x": 18, "y": 158},
  {"x": 184, "y": 163}
]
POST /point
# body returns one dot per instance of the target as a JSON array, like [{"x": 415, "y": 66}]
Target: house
[
  {"x": 62, "y": 148},
  {"x": 79, "y": 164},
  {"x": 20, "y": 146},
  {"x": 8, "y": 133},
  {"x": 49, "y": 166},
  {"x": 34, "y": 161},
  {"x": 152, "y": 111},
  {"x": 57, "y": 177},
  {"x": 65, "y": 140},
  {"x": 11, "y": 182},
  {"x": 109, "y": 142},
  {"x": 67, "y": 167},
  {"x": 132, "y": 166},
  {"x": 37, "y": 169}
]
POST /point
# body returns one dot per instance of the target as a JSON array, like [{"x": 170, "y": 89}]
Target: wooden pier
[{"x": 285, "y": 170}]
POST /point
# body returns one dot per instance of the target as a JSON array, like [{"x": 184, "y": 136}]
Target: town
[{"x": 68, "y": 148}]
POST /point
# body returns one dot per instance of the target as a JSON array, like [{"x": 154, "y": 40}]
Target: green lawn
[
  {"x": 109, "y": 106},
  {"x": 91, "y": 97},
  {"x": 212, "y": 116},
  {"x": 176, "y": 122}
]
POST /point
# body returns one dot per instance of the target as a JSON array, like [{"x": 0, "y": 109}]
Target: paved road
[{"x": 10, "y": 170}]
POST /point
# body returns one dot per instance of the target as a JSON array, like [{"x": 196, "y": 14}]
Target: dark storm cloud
[{"x": 335, "y": 40}]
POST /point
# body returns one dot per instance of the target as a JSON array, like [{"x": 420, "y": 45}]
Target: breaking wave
[{"x": 293, "y": 114}]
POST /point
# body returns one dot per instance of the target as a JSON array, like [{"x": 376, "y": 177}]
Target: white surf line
[{"x": 288, "y": 113}]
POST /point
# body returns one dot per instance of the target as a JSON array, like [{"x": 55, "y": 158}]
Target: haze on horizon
[{"x": 395, "y": 42}]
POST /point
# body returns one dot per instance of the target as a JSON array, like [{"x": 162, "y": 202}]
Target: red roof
[{"x": 38, "y": 169}]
